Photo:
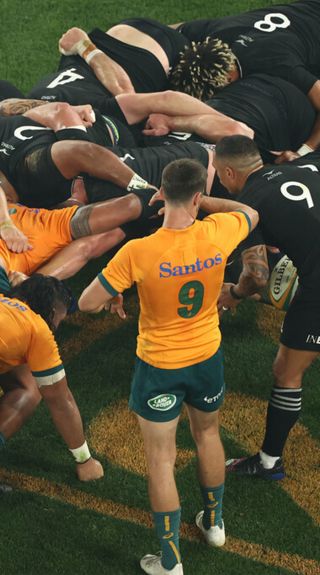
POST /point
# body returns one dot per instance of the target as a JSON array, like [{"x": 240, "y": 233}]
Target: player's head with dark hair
[
  {"x": 46, "y": 296},
  {"x": 235, "y": 158},
  {"x": 204, "y": 68},
  {"x": 182, "y": 179}
]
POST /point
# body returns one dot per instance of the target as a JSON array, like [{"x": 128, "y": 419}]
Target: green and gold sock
[
  {"x": 167, "y": 527},
  {"x": 212, "y": 499}
]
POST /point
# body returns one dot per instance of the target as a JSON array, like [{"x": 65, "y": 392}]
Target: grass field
[{"x": 51, "y": 524}]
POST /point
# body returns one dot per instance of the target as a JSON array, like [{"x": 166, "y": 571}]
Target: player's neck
[
  {"x": 252, "y": 171},
  {"x": 178, "y": 218}
]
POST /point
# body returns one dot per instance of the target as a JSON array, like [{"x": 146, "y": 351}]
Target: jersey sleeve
[
  {"x": 229, "y": 229},
  {"x": 43, "y": 356},
  {"x": 118, "y": 274},
  {"x": 302, "y": 78},
  {"x": 111, "y": 107}
]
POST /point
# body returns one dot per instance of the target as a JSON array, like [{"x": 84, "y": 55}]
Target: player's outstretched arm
[
  {"x": 74, "y": 157},
  {"x": 67, "y": 419},
  {"x": 60, "y": 115},
  {"x": 95, "y": 297},
  {"x": 137, "y": 107},
  {"x": 214, "y": 205},
  {"x": 313, "y": 141},
  {"x": 17, "y": 106},
  {"x": 211, "y": 126},
  {"x": 111, "y": 75},
  {"x": 252, "y": 280}
]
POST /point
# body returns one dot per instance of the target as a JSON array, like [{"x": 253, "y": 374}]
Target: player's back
[
  {"x": 288, "y": 201},
  {"x": 301, "y": 18},
  {"x": 18, "y": 133},
  {"x": 18, "y": 324},
  {"x": 280, "y": 114},
  {"x": 179, "y": 273}
]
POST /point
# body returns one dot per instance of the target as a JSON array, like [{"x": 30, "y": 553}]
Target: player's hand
[
  {"x": 157, "y": 125},
  {"x": 16, "y": 278},
  {"x": 70, "y": 41},
  {"x": 90, "y": 470},
  {"x": 14, "y": 239},
  {"x": 226, "y": 301},
  {"x": 246, "y": 130},
  {"x": 286, "y": 156},
  {"x": 273, "y": 250},
  {"x": 157, "y": 198},
  {"x": 86, "y": 114},
  {"x": 115, "y": 306}
]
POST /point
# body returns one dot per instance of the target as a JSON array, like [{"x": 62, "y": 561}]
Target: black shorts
[
  {"x": 8, "y": 90},
  {"x": 143, "y": 68},
  {"x": 38, "y": 182},
  {"x": 301, "y": 326}
]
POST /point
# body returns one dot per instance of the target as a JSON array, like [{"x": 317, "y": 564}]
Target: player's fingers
[
  {"x": 275, "y": 153},
  {"x": 155, "y": 198},
  {"x": 150, "y": 132},
  {"x": 121, "y": 313}
]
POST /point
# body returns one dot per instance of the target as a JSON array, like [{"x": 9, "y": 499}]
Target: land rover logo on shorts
[{"x": 162, "y": 402}]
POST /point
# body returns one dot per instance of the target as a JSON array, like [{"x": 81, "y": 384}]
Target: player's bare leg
[
  {"x": 211, "y": 470},
  {"x": 160, "y": 449},
  {"x": 73, "y": 257},
  {"x": 20, "y": 399},
  {"x": 102, "y": 217}
]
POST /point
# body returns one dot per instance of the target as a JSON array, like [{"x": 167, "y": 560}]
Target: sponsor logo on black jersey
[
  {"x": 244, "y": 40},
  {"x": 272, "y": 174},
  {"x": 313, "y": 339},
  {"x": 6, "y": 148}
]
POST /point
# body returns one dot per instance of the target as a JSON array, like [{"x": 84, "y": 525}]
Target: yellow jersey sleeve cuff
[
  {"x": 247, "y": 218},
  {"x": 108, "y": 287}
]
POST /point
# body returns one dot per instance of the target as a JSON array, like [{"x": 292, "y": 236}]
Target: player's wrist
[
  {"x": 235, "y": 294},
  {"x": 81, "y": 454},
  {"x": 304, "y": 150},
  {"x": 137, "y": 183},
  {"x": 6, "y": 224},
  {"x": 87, "y": 49}
]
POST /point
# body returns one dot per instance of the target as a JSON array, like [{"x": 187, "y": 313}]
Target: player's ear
[
  {"x": 197, "y": 198},
  {"x": 161, "y": 193},
  {"x": 230, "y": 172}
]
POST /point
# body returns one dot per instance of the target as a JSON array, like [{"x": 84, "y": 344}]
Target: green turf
[{"x": 39, "y": 535}]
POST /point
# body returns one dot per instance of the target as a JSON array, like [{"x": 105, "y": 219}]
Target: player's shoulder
[{"x": 222, "y": 221}]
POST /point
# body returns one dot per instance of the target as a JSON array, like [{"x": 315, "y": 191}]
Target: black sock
[{"x": 283, "y": 412}]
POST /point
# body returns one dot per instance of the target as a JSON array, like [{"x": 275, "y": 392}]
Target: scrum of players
[{"x": 81, "y": 159}]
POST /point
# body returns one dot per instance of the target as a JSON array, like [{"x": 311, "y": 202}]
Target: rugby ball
[{"x": 283, "y": 283}]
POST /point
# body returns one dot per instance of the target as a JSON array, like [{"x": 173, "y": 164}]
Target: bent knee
[{"x": 284, "y": 376}]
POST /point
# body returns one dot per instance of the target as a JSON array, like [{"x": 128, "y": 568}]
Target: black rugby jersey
[
  {"x": 108, "y": 130},
  {"x": 281, "y": 40},
  {"x": 18, "y": 136},
  {"x": 148, "y": 163},
  {"x": 302, "y": 18},
  {"x": 280, "y": 115},
  {"x": 76, "y": 83},
  {"x": 288, "y": 201}
]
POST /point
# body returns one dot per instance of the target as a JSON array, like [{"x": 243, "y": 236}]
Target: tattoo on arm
[
  {"x": 255, "y": 272},
  {"x": 16, "y": 107},
  {"x": 80, "y": 222}
]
